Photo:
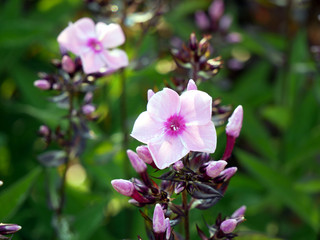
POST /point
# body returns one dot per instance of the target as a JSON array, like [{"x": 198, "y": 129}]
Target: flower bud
[
  {"x": 239, "y": 212},
  {"x": 44, "y": 131},
  {"x": 67, "y": 64},
  {"x": 6, "y": 229},
  {"x": 159, "y": 224},
  {"x": 144, "y": 153},
  {"x": 233, "y": 37},
  {"x": 150, "y": 94},
  {"x": 137, "y": 163},
  {"x": 168, "y": 232},
  {"x": 1, "y": 183},
  {"x": 228, "y": 173},
  {"x": 228, "y": 226},
  {"x": 42, "y": 84},
  {"x": 191, "y": 85},
  {"x": 216, "y": 9},
  {"x": 123, "y": 187},
  {"x": 88, "y": 109},
  {"x": 177, "y": 166},
  {"x": 225, "y": 22},
  {"x": 214, "y": 168},
  {"x": 193, "y": 42},
  {"x": 179, "y": 187},
  {"x": 234, "y": 125},
  {"x": 202, "y": 20}
]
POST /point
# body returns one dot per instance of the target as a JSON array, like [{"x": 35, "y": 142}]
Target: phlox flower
[
  {"x": 173, "y": 125},
  {"x": 90, "y": 42}
]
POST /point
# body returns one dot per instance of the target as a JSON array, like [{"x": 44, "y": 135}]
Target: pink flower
[
  {"x": 90, "y": 41},
  {"x": 173, "y": 125}
]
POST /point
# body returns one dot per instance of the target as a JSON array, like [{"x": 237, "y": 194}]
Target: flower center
[
  {"x": 175, "y": 125},
  {"x": 95, "y": 45}
]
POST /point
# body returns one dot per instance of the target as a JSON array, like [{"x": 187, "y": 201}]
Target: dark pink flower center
[
  {"x": 175, "y": 125},
  {"x": 95, "y": 45}
]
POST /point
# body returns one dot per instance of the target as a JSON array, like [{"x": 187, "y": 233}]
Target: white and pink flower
[
  {"x": 174, "y": 125},
  {"x": 90, "y": 42}
]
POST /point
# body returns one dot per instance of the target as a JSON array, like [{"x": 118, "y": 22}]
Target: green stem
[{"x": 186, "y": 214}]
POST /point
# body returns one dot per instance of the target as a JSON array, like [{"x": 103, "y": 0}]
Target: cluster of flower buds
[
  {"x": 224, "y": 228},
  {"x": 196, "y": 58},
  {"x": 217, "y": 22},
  {"x": 8, "y": 229}
]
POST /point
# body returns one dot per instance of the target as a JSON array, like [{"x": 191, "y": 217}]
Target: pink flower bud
[
  {"x": 144, "y": 153},
  {"x": 168, "y": 232},
  {"x": 6, "y": 229},
  {"x": 191, "y": 85},
  {"x": 123, "y": 187},
  {"x": 228, "y": 226},
  {"x": 239, "y": 212},
  {"x": 234, "y": 125},
  {"x": 42, "y": 84},
  {"x": 178, "y": 165},
  {"x": 88, "y": 109},
  {"x": 150, "y": 94},
  {"x": 179, "y": 187},
  {"x": 228, "y": 173},
  {"x": 68, "y": 64},
  {"x": 202, "y": 20},
  {"x": 137, "y": 163},
  {"x": 215, "y": 168},
  {"x": 159, "y": 224},
  {"x": 216, "y": 9},
  {"x": 44, "y": 131},
  {"x": 225, "y": 22},
  {"x": 233, "y": 37}
]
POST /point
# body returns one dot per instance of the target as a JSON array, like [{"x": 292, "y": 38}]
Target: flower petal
[
  {"x": 164, "y": 104},
  {"x": 85, "y": 28},
  {"x": 92, "y": 62},
  {"x": 146, "y": 128},
  {"x": 166, "y": 150},
  {"x": 196, "y": 107},
  {"x": 116, "y": 58},
  {"x": 201, "y": 138},
  {"x": 75, "y": 37},
  {"x": 110, "y": 35}
]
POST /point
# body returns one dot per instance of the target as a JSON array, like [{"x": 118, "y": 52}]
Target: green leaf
[
  {"x": 277, "y": 115},
  {"x": 11, "y": 198},
  {"x": 283, "y": 188}
]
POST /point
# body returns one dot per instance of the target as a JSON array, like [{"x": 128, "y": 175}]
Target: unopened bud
[
  {"x": 228, "y": 173},
  {"x": 88, "y": 109},
  {"x": 150, "y": 94},
  {"x": 6, "y": 229},
  {"x": 144, "y": 153},
  {"x": 228, "y": 226},
  {"x": 234, "y": 125},
  {"x": 1, "y": 183},
  {"x": 225, "y": 22},
  {"x": 123, "y": 187},
  {"x": 44, "y": 131},
  {"x": 168, "y": 231},
  {"x": 68, "y": 64},
  {"x": 239, "y": 212},
  {"x": 215, "y": 168},
  {"x": 202, "y": 20},
  {"x": 42, "y": 84},
  {"x": 179, "y": 187},
  {"x": 193, "y": 42},
  {"x": 137, "y": 163},
  {"x": 159, "y": 224},
  {"x": 177, "y": 166},
  {"x": 233, "y": 37},
  {"x": 191, "y": 85},
  {"x": 216, "y": 9}
]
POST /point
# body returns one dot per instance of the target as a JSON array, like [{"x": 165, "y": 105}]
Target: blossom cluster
[{"x": 179, "y": 136}]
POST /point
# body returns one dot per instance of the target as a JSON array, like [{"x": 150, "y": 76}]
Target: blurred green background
[{"x": 278, "y": 152}]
